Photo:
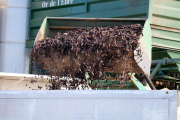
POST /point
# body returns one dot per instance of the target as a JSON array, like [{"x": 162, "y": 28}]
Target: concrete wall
[{"x": 14, "y": 16}]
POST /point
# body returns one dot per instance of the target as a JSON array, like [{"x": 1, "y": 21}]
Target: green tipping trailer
[
  {"x": 52, "y": 25},
  {"x": 163, "y": 16}
]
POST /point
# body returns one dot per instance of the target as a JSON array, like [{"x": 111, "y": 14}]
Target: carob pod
[{"x": 92, "y": 50}]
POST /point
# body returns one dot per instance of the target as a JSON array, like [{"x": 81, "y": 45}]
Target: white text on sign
[{"x": 53, "y": 3}]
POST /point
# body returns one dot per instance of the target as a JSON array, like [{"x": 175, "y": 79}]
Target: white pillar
[{"x": 14, "y": 20}]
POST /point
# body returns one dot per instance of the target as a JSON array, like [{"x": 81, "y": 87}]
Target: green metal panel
[
  {"x": 166, "y": 39},
  {"x": 165, "y": 13},
  {"x": 164, "y": 16},
  {"x": 161, "y": 53},
  {"x": 147, "y": 39},
  {"x": 138, "y": 84},
  {"x": 133, "y": 84},
  {"x": 83, "y": 9},
  {"x": 52, "y": 25}
]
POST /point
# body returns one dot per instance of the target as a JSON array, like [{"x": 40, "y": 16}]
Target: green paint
[
  {"x": 155, "y": 70},
  {"x": 163, "y": 16},
  {"x": 133, "y": 84},
  {"x": 138, "y": 84},
  {"x": 85, "y": 9},
  {"x": 165, "y": 77},
  {"x": 146, "y": 37},
  {"x": 169, "y": 66},
  {"x": 166, "y": 13}
]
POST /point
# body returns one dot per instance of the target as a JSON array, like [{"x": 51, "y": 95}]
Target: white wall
[{"x": 14, "y": 17}]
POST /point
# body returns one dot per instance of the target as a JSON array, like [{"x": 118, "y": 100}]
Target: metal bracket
[
  {"x": 137, "y": 83},
  {"x": 134, "y": 80},
  {"x": 155, "y": 70},
  {"x": 161, "y": 62}
]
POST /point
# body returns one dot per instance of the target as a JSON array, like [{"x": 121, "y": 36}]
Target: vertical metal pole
[
  {"x": 143, "y": 81},
  {"x": 150, "y": 82},
  {"x": 30, "y": 63},
  {"x": 177, "y": 86},
  {"x": 178, "y": 76}
]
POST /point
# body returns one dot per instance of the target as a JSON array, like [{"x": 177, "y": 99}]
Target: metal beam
[
  {"x": 155, "y": 70},
  {"x": 149, "y": 82},
  {"x": 172, "y": 61},
  {"x": 137, "y": 83},
  {"x": 161, "y": 62},
  {"x": 165, "y": 80},
  {"x": 166, "y": 77},
  {"x": 168, "y": 61},
  {"x": 168, "y": 68}
]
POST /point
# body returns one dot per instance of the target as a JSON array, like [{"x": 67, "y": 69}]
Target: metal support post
[
  {"x": 177, "y": 86},
  {"x": 149, "y": 82},
  {"x": 160, "y": 63},
  {"x": 136, "y": 82},
  {"x": 155, "y": 70}
]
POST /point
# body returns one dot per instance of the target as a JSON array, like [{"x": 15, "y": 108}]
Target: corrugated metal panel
[
  {"x": 166, "y": 13},
  {"x": 165, "y": 23},
  {"x": 89, "y": 105}
]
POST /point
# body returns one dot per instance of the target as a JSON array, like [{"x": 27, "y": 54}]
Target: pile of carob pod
[{"x": 88, "y": 50}]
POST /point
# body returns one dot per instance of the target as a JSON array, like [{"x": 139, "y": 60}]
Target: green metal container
[
  {"x": 164, "y": 17},
  {"x": 52, "y": 25},
  {"x": 83, "y": 9}
]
